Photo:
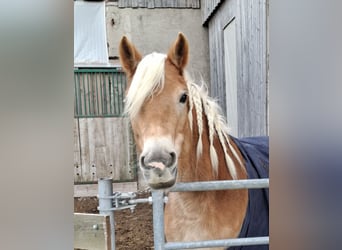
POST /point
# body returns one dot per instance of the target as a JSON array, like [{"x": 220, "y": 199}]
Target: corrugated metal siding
[
  {"x": 151, "y": 4},
  {"x": 252, "y": 82},
  {"x": 208, "y": 9}
]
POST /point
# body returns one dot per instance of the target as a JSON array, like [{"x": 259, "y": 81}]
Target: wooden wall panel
[
  {"x": 216, "y": 45},
  {"x": 252, "y": 76},
  {"x": 88, "y": 237},
  {"x": 208, "y": 8},
  {"x": 252, "y": 62},
  {"x": 105, "y": 149},
  {"x": 77, "y": 153},
  {"x": 194, "y": 4}
]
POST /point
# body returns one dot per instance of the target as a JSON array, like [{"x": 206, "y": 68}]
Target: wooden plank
[
  {"x": 135, "y": 4},
  {"x": 190, "y": 4},
  {"x": 92, "y": 231},
  {"x": 125, "y": 167},
  {"x": 253, "y": 71},
  {"x": 91, "y": 190},
  {"x": 229, "y": 35},
  {"x": 105, "y": 149},
  {"x": 150, "y": 4},
  {"x": 84, "y": 146},
  {"x": 196, "y": 4},
  {"x": 77, "y": 153},
  {"x": 93, "y": 134}
]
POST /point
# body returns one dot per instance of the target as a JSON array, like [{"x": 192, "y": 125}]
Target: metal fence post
[
  {"x": 158, "y": 219},
  {"x": 105, "y": 187}
]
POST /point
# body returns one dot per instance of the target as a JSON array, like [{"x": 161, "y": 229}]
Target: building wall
[
  {"x": 155, "y": 30},
  {"x": 250, "y": 18}
]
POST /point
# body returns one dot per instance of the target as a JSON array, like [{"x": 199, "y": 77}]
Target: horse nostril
[
  {"x": 173, "y": 159},
  {"x": 142, "y": 162}
]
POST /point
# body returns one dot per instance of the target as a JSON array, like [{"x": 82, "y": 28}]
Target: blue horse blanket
[{"x": 255, "y": 151}]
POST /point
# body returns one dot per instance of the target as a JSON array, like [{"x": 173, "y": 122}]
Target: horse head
[{"x": 158, "y": 105}]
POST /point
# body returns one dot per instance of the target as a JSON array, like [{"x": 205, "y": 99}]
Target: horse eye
[{"x": 183, "y": 98}]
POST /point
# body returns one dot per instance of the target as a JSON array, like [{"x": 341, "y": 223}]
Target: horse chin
[
  {"x": 162, "y": 185},
  {"x": 161, "y": 180}
]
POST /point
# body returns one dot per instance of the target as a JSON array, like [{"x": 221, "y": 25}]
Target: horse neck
[{"x": 193, "y": 169}]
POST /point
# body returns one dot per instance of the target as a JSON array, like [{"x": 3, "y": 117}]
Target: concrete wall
[{"x": 155, "y": 30}]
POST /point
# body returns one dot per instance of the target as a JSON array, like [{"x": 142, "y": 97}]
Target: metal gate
[{"x": 108, "y": 202}]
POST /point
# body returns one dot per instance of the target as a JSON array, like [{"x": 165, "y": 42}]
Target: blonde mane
[
  {"x": 149, "y": 77},
  {"x": 202, "y": 103}
]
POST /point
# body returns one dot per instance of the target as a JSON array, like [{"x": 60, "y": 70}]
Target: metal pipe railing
[
  {"x": 158, "y": 219},
  {"x": 107, "y": 198},
  {"x": 220, "y": 185},
  {"x": 159, "y": 241},
  {"x": 105, "y": 188},
  {"x": 218, "y": 243}
]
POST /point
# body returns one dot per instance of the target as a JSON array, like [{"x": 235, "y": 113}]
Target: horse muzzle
[{"x": 159, "y": 168}]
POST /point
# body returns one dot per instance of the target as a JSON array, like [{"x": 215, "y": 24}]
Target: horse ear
[
  {"x": 129, "y": 56},
  {"x": 179, "y": 52}
]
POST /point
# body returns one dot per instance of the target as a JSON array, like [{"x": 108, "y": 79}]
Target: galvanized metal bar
[
  {"x": 203, "y": 186},
  {"x": 218, "y": 243},
  {"x": 220, "y": 185},
  {"x": 141, "y": 200},
  {"x": 105, "y": 188},
  {"x": 158, "y": 219}
]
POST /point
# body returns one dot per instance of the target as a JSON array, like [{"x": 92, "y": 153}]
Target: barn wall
[
  {"x": 252, "y": 62},
  {"x": 159, "y": 4},
  {"x": 103, "y": 148},
  {"x": 155, "y": 30},
  {"x": 208, "y": 9}
]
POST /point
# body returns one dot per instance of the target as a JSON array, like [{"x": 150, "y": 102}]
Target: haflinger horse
[{"x": 182, "y": 137}]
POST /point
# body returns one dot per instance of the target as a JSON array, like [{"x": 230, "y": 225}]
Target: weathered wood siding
[
  {"x": 252, "y": 62},
  {"x": 99, "y": 92},
  {"x": 88, "y": 237},
  {"x": 103, "y": 148},
  {"x": 208, "y": 8},
  {"x": 151, "y": 4}
]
